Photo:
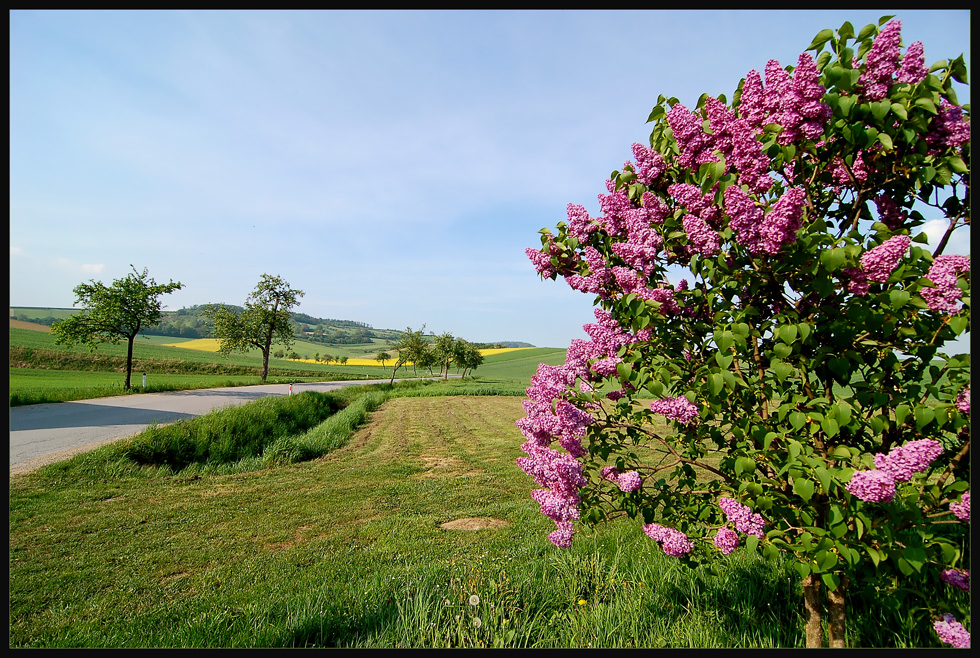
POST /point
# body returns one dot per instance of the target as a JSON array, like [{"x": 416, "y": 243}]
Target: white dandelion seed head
[{"x": 474, "y": 600}]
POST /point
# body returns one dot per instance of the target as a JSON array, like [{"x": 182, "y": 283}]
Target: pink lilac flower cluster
[
  {"x": 782, "y": 221},
  {"x": 857, "y": 280},
  {"x": 872, "y": 486},
  {"x": 542, "y": 261},
  {"x": 913, "y": 68},
  {"x": 606, "y": 339},
  {"x": 961, "y": 510},
  {"x": 963, "y": 401},
  {"x": 905, "y": 461},
  {"x": 649, "y": 164},
  {"x": 882, "y": 61},
  {"x": 597, "y": 280},
  {"x": 958, "y": 578},
  {"x": 801, "y": 113},
  {"x": 642, "y": 245},
  {"x": 703, "y": 240},
  {"x": 899, "y": 465},
  {"x": 580, "y": 225},
  {"x": 949, "y": 130},
  {"x": 889, "y": 212},
  {"x": 793, "y": 102},
  {"x": 742, "y": 516},
  {"x": 674, "y": 542},
  {"x": 854, "y": 176},
  {"x": 880, "y": 262},
  {"x": 765, "y": 232},
  {"x": 726, "y": 540},
  {"x": 627, "y": 482},
  {"x": 737, "y": 140},
  {"x": 943, "y": 272},
  {"x": 952, "y": 632},
  {"x": 695, "y": 146},
  {"x": 678, "y": 408},
  {"x": 550, "y": 417}
]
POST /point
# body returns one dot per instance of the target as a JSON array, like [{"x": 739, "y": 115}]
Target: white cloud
[
  {"x": 959, "y": 241},
  {"x": 92, "y": 269}
]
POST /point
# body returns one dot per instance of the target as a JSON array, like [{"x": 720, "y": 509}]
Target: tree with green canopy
[{"x": 114, "y": 312}]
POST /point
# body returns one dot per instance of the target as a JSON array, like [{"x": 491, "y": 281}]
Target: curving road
[{"x": 42, "y": 434}]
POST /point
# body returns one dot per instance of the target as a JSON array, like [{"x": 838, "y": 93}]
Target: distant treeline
[{"x": 190, "y": 323}]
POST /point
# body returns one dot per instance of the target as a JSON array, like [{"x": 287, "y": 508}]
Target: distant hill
[{"x": 189, "y": 323}]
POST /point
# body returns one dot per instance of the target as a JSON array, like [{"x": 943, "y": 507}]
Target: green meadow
[{"x": 374, "y": 516}]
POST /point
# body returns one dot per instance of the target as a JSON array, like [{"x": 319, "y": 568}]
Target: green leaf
[
  {"x": 957, "y": 165},
  {"x": 802, "y": 568},
  {"x": 833, "y": 258},
  {"x": 831, "y": 580},
  {"x": 656, "y": 113},
  {"x": 923, "y": 416},
  {"x": 744, "y": 465},
  {"x": 823, "y": 36},
  {"x": 899, "y": 110},
  {"x": 830, "y": 426},
  {"x": 915, "y": 556},
  {"x": 899, "y": 298},
  {"x": 879, "y": 109},
  {"x": 826, "y": 560},
  {"x": 824, "y": 476},
  {"x": 927, "y": 105},
  {"x": 787, "y": 333},
  {"x": 886, "y": 141},
  {"x": 803, "y": 488},
  {"x": 782, "y": 370},
  {"x": 716, "y": 383},
  {"x": 797, "y": 419},
  {"x": 901, "y": 412},
  {"x": 840, "y": 367},
  {"x": 724, "y": 340}
]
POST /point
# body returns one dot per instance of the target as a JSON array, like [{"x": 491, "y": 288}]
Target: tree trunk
[
  {"x": 266, "y": 349},
  {"x": 129, "y": 362},
  {"x": 836, "y": 616},
  {"x": 814, "y": 607}
]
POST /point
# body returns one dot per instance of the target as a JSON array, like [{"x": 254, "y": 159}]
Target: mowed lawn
[{"x": 260, "y": 559}]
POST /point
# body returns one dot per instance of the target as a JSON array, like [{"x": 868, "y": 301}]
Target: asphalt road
[{"x": 42, "y": 434}]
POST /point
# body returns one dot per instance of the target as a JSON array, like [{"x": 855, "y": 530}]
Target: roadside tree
[
  {"x": 444, "y": 352},
  {"x": 803, "y": 402},
  {"x": 410, "y": 347},
  {"x": 466, "y": 356},
  {"x": 264, "y": 321},
  {"x": 114, "y": 312}
]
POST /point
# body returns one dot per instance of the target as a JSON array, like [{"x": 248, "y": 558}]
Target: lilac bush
[{"x": 802, "y": 361}]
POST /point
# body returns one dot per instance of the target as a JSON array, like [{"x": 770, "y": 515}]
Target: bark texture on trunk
[
  {"x": 814, "y": 608},
  {"x": 836, "y": 616}
]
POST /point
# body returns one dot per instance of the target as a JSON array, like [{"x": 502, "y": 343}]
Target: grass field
[
  {"x": 400, "y": 520},
  {"x": 42, "y": 371},
  {"x": 382, "y": 542}
]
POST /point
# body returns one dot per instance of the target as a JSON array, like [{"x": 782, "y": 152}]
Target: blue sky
[{"x": 393, "y": 165}]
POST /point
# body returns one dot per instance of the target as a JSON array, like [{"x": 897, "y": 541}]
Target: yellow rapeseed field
[
  {"x": 203, "y": 344},
  {"x": 211, "y": 345}
]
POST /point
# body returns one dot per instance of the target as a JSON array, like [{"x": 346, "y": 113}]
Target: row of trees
[
  {"x": 444, "y": 352},
  {"x": 132, "y": 303}
]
